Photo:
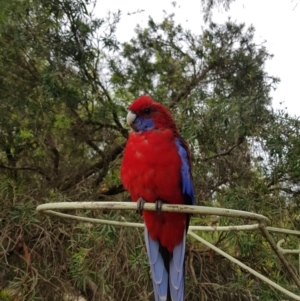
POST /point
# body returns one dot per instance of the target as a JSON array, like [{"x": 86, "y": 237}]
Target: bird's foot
[
  {"x": 158, "y": 206},
  {"x": 140, "y": 205}
]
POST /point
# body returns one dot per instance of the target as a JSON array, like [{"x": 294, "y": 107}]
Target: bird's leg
[
  {"x": 140, "y": 205},
  {"x": 158, "y": 206}
]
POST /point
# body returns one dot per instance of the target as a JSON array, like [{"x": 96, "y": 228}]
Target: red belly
[{"x": 151, "y": 170}]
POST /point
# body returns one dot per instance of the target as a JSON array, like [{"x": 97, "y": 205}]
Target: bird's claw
[
  {"x": 140, "y": 205},
  {"x": 158, "y": 206},
  {"x": 141, "y": 202}
]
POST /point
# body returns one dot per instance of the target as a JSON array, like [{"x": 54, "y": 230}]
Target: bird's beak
[{"x": 130, "y": 118}]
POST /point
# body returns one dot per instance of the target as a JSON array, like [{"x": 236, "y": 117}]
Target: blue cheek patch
[{"x": 143, "y": 125}]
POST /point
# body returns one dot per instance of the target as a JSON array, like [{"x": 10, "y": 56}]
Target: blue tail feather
[
  {"x": 167, "y": 273},
  {"x": 177, "y": 272}
]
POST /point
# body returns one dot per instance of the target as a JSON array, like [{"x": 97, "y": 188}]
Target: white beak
[{"x": 130, "y": 118}]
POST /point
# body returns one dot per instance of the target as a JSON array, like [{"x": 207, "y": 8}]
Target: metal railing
[{"x": 261, "y": 225}]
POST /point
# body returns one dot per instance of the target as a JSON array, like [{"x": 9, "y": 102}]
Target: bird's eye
[{"x": 147, "y": 111}]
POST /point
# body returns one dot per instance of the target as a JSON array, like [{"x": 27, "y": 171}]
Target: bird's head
[{"x": 145, "y": 115}]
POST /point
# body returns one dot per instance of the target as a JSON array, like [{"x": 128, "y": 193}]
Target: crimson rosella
[{"x": 156, "y": 168}]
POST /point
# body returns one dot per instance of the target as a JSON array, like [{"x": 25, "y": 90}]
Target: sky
[{"x": 277, "y": 25}]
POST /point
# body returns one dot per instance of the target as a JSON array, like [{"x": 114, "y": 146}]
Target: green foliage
[
  {"x": 65, "y": 84},
  {"x": 5, "y": 296}
]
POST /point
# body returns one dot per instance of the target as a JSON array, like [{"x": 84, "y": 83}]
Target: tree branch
[
  {"x": 226, "y": 153},
  {"x": 38, "y": 169},
  {"x": 87, "y": 140},
  {"x": 101, "y": 125},
  {"x": 193, "y": 83},
  {"x": 94, "y": 78},
  {"x": 115, "y": 115},
  {"x": 113, "y": 190},
  {"x": 111, "y": 155},
  {"x": 286, "y": 190},
  {"x": 51, "y": 141}
]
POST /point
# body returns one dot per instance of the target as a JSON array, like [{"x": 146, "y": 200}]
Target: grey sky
[{"x": 276, "y": 22}]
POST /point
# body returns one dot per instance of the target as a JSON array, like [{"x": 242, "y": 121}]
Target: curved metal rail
[{"x": 261, "y": 225}]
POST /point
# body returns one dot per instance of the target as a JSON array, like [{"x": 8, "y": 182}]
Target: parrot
[{"x": 156, "y": 168}]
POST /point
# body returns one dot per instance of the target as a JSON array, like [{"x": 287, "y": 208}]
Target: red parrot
[{"x": 156, "y": 168}]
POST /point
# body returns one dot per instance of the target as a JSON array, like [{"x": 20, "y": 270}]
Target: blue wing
[{"x": 186, "y": 174}]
